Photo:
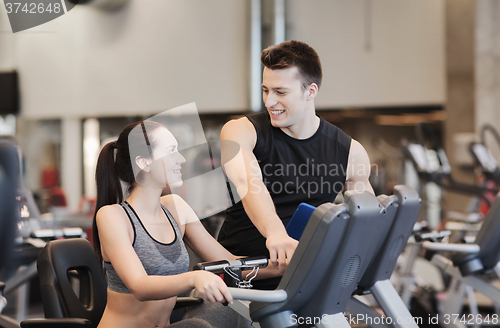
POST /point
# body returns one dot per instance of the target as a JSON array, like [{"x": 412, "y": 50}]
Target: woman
[{"x": 141, "y": 239}]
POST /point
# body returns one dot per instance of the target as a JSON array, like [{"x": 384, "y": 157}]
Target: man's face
[{"x": 284, "y": 96}]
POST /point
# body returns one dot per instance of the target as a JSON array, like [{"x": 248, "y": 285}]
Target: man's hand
[{"x": 281, "y": 248}]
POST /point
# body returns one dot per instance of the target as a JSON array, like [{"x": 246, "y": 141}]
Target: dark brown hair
[
  {"x": 111, "y": 170},
  {"x": 294, "y": 53}
]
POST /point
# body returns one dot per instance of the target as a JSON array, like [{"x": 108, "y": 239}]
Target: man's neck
[{"x": 305, "y": 128}]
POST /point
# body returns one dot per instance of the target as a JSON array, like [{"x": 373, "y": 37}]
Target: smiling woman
[
  {"x": 163, "y": 165},
  {"x": 140, "y": 239}
]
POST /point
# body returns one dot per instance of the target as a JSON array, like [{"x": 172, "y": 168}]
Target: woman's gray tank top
[{"x": 158, "y": 259}]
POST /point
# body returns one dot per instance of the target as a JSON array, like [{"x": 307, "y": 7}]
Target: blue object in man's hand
[{"x": 299, "y": 220}]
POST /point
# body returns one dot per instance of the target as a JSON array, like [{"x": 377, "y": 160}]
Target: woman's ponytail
[{"x": 109, "y": 189}]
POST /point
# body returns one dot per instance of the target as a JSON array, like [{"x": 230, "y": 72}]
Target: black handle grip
[{"x": 243, "y": 263}]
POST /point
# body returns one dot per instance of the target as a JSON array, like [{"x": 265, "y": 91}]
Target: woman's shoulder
[
  {"x": 173, "y": 200},
  {"x": 112, "y": 212},
  {"x": 112, "y": 221},
  {"x": 179, "y": 208},
  {"x": 110, "y": 209},
  {"x": 175, "y": 204}
]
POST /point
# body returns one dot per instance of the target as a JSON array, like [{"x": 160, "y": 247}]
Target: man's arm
[
  {"x": 358, "y": 169},
  {"x": 244, "y": 172}
]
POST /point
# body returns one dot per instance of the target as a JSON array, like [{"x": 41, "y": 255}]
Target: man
[{"x": 290, "y": 156}]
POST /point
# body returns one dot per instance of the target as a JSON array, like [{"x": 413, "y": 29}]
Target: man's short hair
[{"x": 294, "y": 53}]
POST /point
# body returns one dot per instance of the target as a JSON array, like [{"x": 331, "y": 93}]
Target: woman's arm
[
  {"x": 116, "y": 245},
  {"x": 202, "y": 243},
  {"x": 195, "y": 234}
]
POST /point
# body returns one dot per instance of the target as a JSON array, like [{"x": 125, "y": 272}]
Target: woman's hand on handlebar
[{"x": 211, "y": 287}]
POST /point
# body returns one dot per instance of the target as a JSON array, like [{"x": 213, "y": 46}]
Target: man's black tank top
[{"x": 311, "y": 170}]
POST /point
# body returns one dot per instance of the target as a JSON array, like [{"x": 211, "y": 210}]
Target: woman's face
[{"x": 166, "y": 166}]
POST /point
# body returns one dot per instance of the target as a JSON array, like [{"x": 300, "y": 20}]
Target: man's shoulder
[
  {"x": 239, "y": 130},
  {"x": 240, "y": 125},
  {"x": 260, "y": 121},
  {"x": 336, "y": 134}
]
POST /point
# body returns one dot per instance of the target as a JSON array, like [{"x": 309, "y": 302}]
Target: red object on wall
[
  {"x": 49, "y": 177},
  {"x": 57, "y": 197}
]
